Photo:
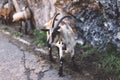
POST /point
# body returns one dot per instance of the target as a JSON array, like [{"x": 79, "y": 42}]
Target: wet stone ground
[
  {"x": 21, "y": 60},
  {"x": 17, "y": 64}
]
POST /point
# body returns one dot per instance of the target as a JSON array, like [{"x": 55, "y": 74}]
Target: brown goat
[{"x": 6, "y": 12}]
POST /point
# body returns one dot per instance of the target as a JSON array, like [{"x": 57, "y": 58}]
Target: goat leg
[
  {"x": 26, "y": 27},
  {"x": 20, "y": 28},
  {"x": 32, "y": 24},
  {"x": 5, "y": 20},
  {"x": 61, "y": 68},
  {"x": 57, "y": 50},
  {"x": 73, "y": 61},
  {"x": 75, "y": 67},
  {"x": 61, "y": 60},
  {"x": 50, "y": 54},
  {"x": 73, "y": 58}
]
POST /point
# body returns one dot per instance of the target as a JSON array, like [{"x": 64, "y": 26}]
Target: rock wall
[
  {"x": 43, "y": 10},
  {"x": 101, "y": 23}
]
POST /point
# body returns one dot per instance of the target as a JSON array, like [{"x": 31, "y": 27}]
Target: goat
[
  {"x": 4, "y": 14},
  {"x": 25, "y": 16},
  {"x": 61, "y": 35},
  {"x": 47, "y": 28},
  {"x": 6, "y": 11}
]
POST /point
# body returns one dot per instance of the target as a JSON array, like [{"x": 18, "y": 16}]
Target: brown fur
[{"x": 6, "y": 12}]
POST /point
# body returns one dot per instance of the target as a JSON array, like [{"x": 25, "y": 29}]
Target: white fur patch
[{"x": 17, "y": 16}]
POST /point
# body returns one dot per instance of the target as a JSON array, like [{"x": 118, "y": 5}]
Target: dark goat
[
  {"x": 62, "y": 34},
  {"x": 47, "y": 27}
]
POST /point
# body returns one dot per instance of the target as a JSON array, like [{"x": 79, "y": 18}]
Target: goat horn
[
  {"x": 56, "y": 27},
  {"x": 55, "y": 19}
]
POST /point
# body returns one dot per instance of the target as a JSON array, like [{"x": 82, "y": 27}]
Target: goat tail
[{"x": 55, "y": 19}]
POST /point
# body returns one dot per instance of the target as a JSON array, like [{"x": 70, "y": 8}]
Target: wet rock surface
[
  {"x": 101, "y": 26},
  {"x": 101, "y": 21},
  {"x": 17, "y": 64},
  {"x": 100, "y": 18},
  {"x": 20, "y": 61}
]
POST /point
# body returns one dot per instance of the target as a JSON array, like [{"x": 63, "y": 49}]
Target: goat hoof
[
  {"x": 74, "y": 65},
  {"x": 26, "y": 32},
  {"x": 20, "y": 30},
  {"x": 51, "y": 59},
  {"x": 61, "y": 74}
]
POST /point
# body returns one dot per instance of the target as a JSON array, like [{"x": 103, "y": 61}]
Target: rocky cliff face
[
  {"x": 43, "y": 10},
  {"x": 101, "y": 21},
  {"x": 101, "y": 26}
]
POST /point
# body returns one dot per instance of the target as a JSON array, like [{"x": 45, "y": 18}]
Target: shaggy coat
[
  {"x": 62, "y": 35},
  {"x": 6, "y": 12}
]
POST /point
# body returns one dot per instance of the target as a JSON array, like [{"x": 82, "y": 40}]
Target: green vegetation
[
  {"x": 89, "y": 50},
  {"x": 18, "y": 34},
  {"x": 4, "y": 27},
  {"x": 108, "y": 61},
  {"x": 103, "y": 19},
  {"x": 101, "y": 22},
  {"x": 40, "y": 38}
]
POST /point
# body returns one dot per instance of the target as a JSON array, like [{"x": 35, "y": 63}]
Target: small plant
[
  {"x": 4, "y": 27},
  {"x": 40, "y": 37},
  {"x": 88, "y": 50},
  {"x": 110, "y": 61},
  {"x": 101, "y": 22},
  {"x": 18, "y": 34},
  {"x": 103, "y": 19}
]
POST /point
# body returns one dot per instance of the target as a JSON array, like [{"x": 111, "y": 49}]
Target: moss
[
  {"x": 110, "y": 61},
  {"x": 18, "y": 34},
  {"x": 89, "y": 50},
  {"x": 4, "y": 27},
  {"x": 40, "y": 38}
]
